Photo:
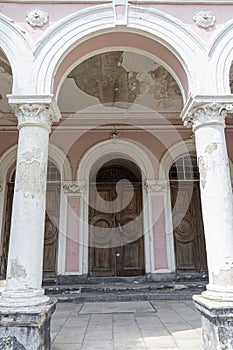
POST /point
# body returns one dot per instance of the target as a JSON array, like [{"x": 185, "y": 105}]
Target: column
[
  {"x": 216, "y": 303},
  {"x": 24, "y": 298}
]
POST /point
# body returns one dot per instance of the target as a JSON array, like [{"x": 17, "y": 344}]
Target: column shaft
[
  {"x": 25, "y": 258},
  {"x": 216, "y": 200}
]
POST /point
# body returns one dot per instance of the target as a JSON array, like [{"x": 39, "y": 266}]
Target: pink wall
[
  {"x": 7, "y": 139},
  {"x": 72, "y": 238},
  {"x": 159, "y": 234}
]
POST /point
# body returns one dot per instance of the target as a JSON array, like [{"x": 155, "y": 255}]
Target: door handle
[{"x": 118, "y": 224}]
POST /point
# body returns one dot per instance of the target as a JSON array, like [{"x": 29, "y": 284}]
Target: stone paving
[{"x": 142, "y": 325}]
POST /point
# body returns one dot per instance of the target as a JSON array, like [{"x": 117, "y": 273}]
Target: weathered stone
[
  {"x": 217, "y": 323},
  {"x": 28, "y": 329}
]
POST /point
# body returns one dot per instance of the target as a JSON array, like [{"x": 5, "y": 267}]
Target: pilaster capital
[
  {"x": 74, "y": 187},
  {"x": 156, "y": 186}
]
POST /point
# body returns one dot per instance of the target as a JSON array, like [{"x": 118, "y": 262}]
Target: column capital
[
  {"x": 202, "y": 110},
  {"x": 38, "y": 110},
  {"x": 205, "y": 114},
  {"x": 34, "y": 114}
]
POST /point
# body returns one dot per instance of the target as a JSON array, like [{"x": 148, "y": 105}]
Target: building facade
[{"x": 115, "y": 151}]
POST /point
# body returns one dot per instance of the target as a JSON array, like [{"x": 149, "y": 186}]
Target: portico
[{"x": 105, "y": 93}]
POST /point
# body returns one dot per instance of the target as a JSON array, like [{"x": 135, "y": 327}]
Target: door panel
[
  {"x": 188, "y": 229},
  {"x": 51, "y": 229},
  {"x": 119, "y": 249},
  {"x": 7, "y": 228}
]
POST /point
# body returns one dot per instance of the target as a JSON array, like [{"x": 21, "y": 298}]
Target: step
[
  {"x": 95, "y": 297},
  {"x": 124, "y": 291}
]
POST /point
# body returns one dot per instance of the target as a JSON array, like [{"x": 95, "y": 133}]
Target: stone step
[{"x": 124, "y": 291}]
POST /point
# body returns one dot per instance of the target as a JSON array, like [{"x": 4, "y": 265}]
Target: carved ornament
[
  {"x": 10, "y": 343},
  {"x": 205, "y": 114},
  {"x": 34, "y": 114},
  {"x": 74, "y": 187},
  {"x": 204, "y": 18},
  {"x": 156, "y": 186},
  {"x": 37, "y": 17}
]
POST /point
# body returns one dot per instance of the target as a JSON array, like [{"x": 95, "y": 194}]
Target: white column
[
  {"x": 25, "y": 259},
  {"x": 216, "y": 198}
]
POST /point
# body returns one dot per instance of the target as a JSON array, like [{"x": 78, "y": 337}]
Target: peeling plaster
[
  {"x": 17, "y": 270},
  {"x": 224, "y": 277},
  {"x": 211, "y": 148},
  {"x": 30, "y": 174},
  {"x": 202, "y": 170},
  {"x": 28, "y": 179}
]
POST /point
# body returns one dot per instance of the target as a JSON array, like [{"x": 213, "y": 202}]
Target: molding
[
  {"x": 173, "y": 153},
  {"x": 62, "y": 162},
  {"x": 119, "y": 148}
]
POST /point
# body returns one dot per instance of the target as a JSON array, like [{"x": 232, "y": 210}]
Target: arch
[
  {"x": 79, "y": 28},
  {"x": 221, "y": 57},
  {"x": 108, "y": 150},
  {"x": 61, "y": 160},
  {"x": 172, "y": 154},
  {"x": 120, "y": 148},
  {"x": 17, "y": 51}
]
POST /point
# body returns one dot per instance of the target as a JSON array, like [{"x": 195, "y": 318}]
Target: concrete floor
[{"x": 141, "y": 325}]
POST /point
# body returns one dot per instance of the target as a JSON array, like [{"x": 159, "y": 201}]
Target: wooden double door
[
  {"x": 50, "y": 233},
  {"x": 116, "y": 240},
  {"x": 189, "y": 240}
]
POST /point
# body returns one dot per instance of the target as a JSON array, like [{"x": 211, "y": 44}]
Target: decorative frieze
[
  {"x": 74, "y": 187},
  {"x": 34, "y": 114},
  {"x": 37, "y": 17},
  {"x": 204, "y": 18},
  {"x": 156, "y": 186}
]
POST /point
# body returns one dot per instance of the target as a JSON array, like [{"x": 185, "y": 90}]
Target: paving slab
[
  {"x": 140, "y": 325},
  {"x": 116, "y": 307}
]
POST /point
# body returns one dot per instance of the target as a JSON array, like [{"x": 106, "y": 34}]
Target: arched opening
[
  {"x": 116, "y": 238},
  {"x": 51, "y": 221},
  {"x": 188, "y": 231}
]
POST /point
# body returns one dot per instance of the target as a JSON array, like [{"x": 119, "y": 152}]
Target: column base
[
  {"x": 217, "y": 323},
  {"x": 21, "y": 299},
  {"x": 28, "y": 329}
]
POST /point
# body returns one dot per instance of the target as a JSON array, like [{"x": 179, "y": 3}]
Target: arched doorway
[
  {"x": 116, "y": 240},
  {"x": 51, "y": 221},
  {"x": 189, "y": 240}
]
